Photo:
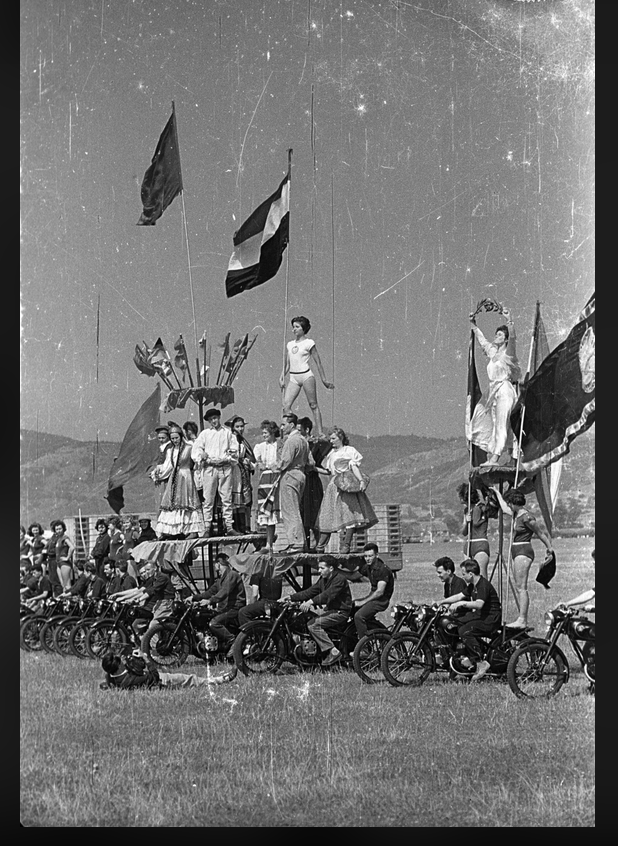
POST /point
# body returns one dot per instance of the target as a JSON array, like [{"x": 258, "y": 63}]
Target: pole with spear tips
[
  {"x": 224, "y": 357},
  {"x": 242, "y": 359}
]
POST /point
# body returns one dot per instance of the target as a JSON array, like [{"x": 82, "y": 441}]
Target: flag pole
[
  {"x": 332, "y": 228},
  {"x": 287, "y": 264}
]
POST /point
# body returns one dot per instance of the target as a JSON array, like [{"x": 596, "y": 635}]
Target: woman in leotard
[
  {"x": 301, "y": 353},
  {"x": 474, "y": 529},
  {"x": 522, "y": 552}
]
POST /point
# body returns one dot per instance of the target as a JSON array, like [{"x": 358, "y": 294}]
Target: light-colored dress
[
  {"x": 490, "y": 427},
  {"x": 266, "y": 456},
  {"x": 181, "y": 511},
  {"x": 344, "y": 509}
]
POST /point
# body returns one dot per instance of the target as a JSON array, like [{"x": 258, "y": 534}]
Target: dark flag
[
  {"x": 138, "y": 452},
  {"x": 260, "y": 242},
  {"x": 159, "y": 358},
  {"x": 477, "y": 454},
  {"x": 559, "y": 398},
  {"x": 180, "y": 359},
  {"x": 163, "y": 179}
]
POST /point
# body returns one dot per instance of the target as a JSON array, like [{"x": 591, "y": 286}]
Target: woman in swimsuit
[
  {"x": 474, "y": 529},
  {"x": 301, "y": 352},
  {"x": 522, "y": 553}
]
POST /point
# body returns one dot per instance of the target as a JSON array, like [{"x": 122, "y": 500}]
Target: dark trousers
[
  {"x": 468, "y": 631},
  {"x": 251, "y": 611},
  {"x": 218, "y": 626},
  {"x": 322, "y": 625},
  {"x": 366, "y": 612}
]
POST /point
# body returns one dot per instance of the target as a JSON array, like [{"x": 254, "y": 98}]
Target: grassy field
[{"x": 310, "y": 750}]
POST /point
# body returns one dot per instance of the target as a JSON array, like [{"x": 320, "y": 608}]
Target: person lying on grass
[{"x": 137, "y": 672}]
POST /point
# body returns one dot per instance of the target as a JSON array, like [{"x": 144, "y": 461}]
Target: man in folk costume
[
  {"x": 215, "y": 450},
  {"x": 295, "y": 457}
]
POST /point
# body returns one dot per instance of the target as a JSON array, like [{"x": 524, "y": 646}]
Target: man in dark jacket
[
  {"x": 445, "y": 568},
  {"x": 137, "y": 672},
  {"x": 331, "y": 594},
  {"x": 227, "y": 592},
  {"x": 382, "y": 581}
]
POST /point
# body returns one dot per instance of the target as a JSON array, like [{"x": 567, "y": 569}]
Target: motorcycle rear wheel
[
  {"x": 105, "y": 638},
  {"x": 29, "y": 634},
  {"x": 47, "y": 634},
  {"x": 367, "y": 654},
  {"x": 404, "y": 662},
  {"x": 528, "y": 679},
  {"x": 252, "y": 654},
  {"x": 166, "y": 650}
]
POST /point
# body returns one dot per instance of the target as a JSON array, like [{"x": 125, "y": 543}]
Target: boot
[{"x": 323, "y": 540}]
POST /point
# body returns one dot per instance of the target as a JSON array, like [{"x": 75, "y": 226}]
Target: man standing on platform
[
  {"x": 314, "y": 491},
  {"x": 295, "y": 457},
  {"x": 215, "y": 450}
]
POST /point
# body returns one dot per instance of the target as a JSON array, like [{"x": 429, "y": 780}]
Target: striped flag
[{"x": 260, "y": 242}]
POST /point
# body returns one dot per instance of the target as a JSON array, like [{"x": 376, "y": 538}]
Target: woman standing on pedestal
[
  {"x": 242, "y": 493},
  {"x": 490, "y": 425},
  {"x": 301, "y": 353},
  {"x": 266, "y": 457}
]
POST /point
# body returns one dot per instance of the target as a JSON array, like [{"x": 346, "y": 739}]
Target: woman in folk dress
[
  {"x": 242, "y": 492},
  {"x": 266, "y": 455},
  {"x": 343, "y": 509},
  {"x": 181, "y": 511}
]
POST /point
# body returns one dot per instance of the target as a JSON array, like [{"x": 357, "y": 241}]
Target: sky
[{"x": 442, "y": 153}]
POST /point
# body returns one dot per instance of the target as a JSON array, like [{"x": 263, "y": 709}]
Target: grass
[{"x": 301, "y": 750}]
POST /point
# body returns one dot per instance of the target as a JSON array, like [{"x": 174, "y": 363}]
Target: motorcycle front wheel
[
  {"x": 535, "y": 673},
  {"x": 77, "y": 637},
  {"x": 255, "y": 652},
  {"x": 62, "y": 633},
  {"x": 164, "y": 648},
  {"x": 367, "y": 654},
  {"x": 104, "y": 638},
  {"x": 29, "y": 634},
  {"x": 406, "y": 661},
  {"x": 47, "y": 633}
]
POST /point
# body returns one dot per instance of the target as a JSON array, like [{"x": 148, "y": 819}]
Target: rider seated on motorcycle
[
  {"x": 38, "y": 588},
  {"x": 266, "y": 587},
  {"x": 331, "y": 594},
  {"x": 445, "y": 568},
  {"x": 227, "y": 592},
  {"x": 382, "y": 582},
  {"x": 137, "y": 671},
  {"x": 155, "y": 596},
  {"x": 484, "y": 612}
]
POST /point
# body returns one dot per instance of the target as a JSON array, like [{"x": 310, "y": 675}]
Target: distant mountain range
[{"x": 59, "y": 475}]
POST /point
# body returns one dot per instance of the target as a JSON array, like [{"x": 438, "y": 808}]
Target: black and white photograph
[{"x": 307, "y": 405}]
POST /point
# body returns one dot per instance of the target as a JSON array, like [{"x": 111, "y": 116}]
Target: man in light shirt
[
  {"x": 295, "y": 458},
  {"x": 215, "y": 450}
]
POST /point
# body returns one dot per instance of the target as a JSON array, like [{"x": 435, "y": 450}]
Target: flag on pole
[
  {"x": 260, "y": 242},
  {"x": 141, "y": 361},
  {"x": 547, "y": 479},
  {"x": 560, "y": 397},
  {"x": 138, "y": 452},
  {"x": 478, "y": 455},
  {"x": 163, "y": 179},
  {"x": 159, "y": 358},
  {"x": 180, "y": 359}
]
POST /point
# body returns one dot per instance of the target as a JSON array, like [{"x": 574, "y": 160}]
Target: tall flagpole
[
  {"x": 287, "y": 263},
  {"x": 184, "y": 221},
  {"x": 332, "y": 229}
]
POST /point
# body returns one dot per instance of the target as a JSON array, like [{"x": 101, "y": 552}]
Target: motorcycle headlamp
[
  {"x": 548, "y": 618},
  {"x": 178, "y": 605}
]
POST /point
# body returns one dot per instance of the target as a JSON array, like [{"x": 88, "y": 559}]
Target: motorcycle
[
  {"x": 68, "y": 605},
  {"x": 31, "y": 626},
  {"x": 99, "y": 609},
  {"x": 115, "y": 634},
  {"x": 282, "y": 635},
  {"x": 187, "y": 632},
  {"x": 62, "y": 631},
  {"x": 368, "y": 651},
  {"x": 539, "y": 668},
  {"x": 411, "y": 657}
]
